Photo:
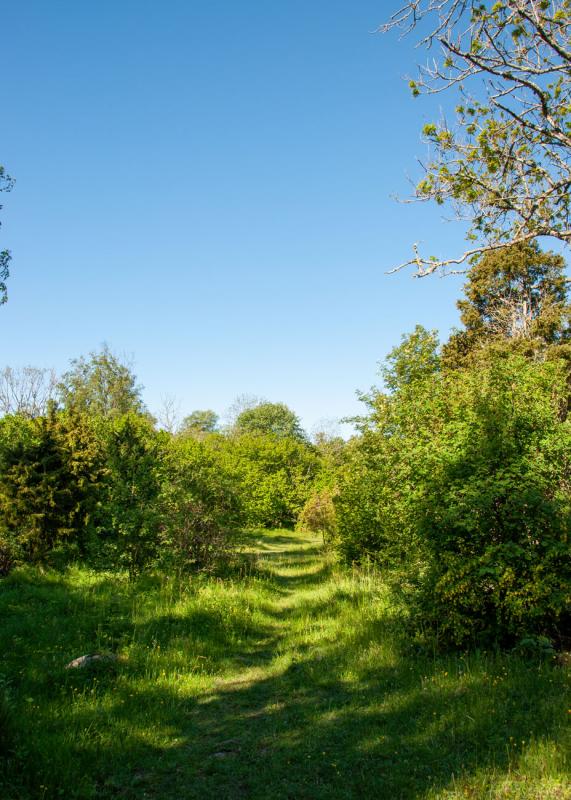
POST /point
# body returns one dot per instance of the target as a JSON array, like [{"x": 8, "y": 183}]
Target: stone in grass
[{"x": 91, "y": 660}]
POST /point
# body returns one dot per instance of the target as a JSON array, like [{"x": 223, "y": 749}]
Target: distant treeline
[{"x": 112, "y": 490}]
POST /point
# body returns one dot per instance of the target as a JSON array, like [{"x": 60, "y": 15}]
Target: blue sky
[{"x": 207, "y": 186}]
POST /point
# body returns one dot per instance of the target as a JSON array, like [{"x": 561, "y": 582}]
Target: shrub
[
  {"x": 318, "y": 515},
  {"x": 135, "y": 463},
  {"x": 460, "y": 488},
  {"x": 200, "y": 504},
  {"x": 49, "y": 476},
  {"x": 275, "y": 475}
]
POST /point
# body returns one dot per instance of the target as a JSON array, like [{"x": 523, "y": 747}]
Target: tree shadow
[
  {"x": 311, "y": 732},
  {"x": 340, "y": 719}
]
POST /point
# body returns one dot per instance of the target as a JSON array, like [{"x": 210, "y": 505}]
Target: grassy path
[{"x": 291, "y": 682}]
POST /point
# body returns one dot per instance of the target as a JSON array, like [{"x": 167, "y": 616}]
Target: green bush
[
  {"x": 112, "y": 491},
  {"x": 201, "y": 509},
  {"x": 459, "y": 487},
  {"x": 135, "y": 471},
  {"x": 275, "y": 474},
  {"x": 318, "y": 515},
  {"x": 50, "y": 468}
]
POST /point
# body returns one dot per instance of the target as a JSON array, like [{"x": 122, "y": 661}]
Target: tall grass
[{"x": 293, "y": 681}]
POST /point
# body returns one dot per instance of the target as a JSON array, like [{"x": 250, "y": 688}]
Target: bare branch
[
  {"x": 427, "y": 266},
  {"x": 27, "y": 391},
  {"x": 506, "y": 161}
]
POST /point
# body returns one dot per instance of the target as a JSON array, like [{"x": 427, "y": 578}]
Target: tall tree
[
  {"x": 200, "y": 422},
  {"x": 517, "y": 297},
  {"x": 271, "y": 418},
  {"x": 6, "y": 183},
  {"x": 101, "y": 385},
  {"x": 505, "y": 165},
  {"x": 413, "y": 360}
]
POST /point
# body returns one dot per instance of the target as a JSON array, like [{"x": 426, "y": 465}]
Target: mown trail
[
  {"x": 288, "y": 683},
  {"x": 316, "y": 701}
]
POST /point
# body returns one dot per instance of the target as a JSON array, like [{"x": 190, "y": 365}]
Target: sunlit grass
[{"x": 294, "y": 681}]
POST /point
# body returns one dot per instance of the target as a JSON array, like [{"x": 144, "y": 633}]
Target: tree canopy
[
  {"x": 505, "y": 164},
  {"x": 200, "y": 421},
  {"x": 101, "y": 385},
  {"x": 272, "y": 418},
  {"x": 517, "y": 296}
]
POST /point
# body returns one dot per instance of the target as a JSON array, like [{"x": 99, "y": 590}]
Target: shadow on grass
[
  {"x": 311, "y": 732},
  {"x": 329, "y": 722}
]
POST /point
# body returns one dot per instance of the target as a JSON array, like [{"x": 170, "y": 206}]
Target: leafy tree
[
  {"x": 505, "y": 166},
  {"x": 200, "y": 422},
  {"x": 318, "y": 515},
  {"x": 241, "y": 403},
  {"x": 271, "y": 418},
  {"x": 135, "y": 462},
  {"x": 414, "y": 359},
  {"x": 6, "y": 184},
  {"x": 516, "y": 296},
  {"x": 275, "y": 474},
  {"x": 201, "y": 506},
  {"x": 101, "y": 385}
]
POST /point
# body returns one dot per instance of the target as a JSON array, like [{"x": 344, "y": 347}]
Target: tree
[
  {"x": 241, "y": 403},
  {"x": 168, "y": 418},
  {"x": 101, "y": 385},
  {"x": 200, "y": 422},
  {"x": 135, "y": 463},
  {"x": 6, "y": 184},
  {"x": 414, "y": 359},
  {"x": 271, "y": 418},
  {"x": 276, "y": 475},
  {"x": 505, "y": 166},
  {"x": 50, "y": 475},
  {"x": 516, "y": 296},
  {"x": 26, "y": 391},
  {"x": 200, "y": 505}
]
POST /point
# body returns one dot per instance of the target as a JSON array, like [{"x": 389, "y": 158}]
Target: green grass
[{"x": 294, "y": 681}]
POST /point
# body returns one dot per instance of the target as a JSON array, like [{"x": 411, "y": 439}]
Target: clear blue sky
[{"x": 207, "y": 187}]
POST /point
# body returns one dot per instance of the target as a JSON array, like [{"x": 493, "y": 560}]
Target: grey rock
[{"x": 90, "y": 660}]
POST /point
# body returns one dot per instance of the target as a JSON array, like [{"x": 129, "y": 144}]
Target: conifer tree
[{"x": 515, "y": 298}]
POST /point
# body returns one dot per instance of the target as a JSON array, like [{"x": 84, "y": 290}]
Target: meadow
[{"x": 289, "y": 677}]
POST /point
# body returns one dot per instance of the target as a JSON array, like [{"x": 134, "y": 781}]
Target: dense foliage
[
  {"x": 270, "y": 418},
  {"x": 50, "y": 471},
  {"x": 95, "y": 480},
  {"x": 459, "y": 486},
  {"x": 276, "y": 474},
  {"x": 516, "y": 300},
  {"x": 100, "y": 385}
]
